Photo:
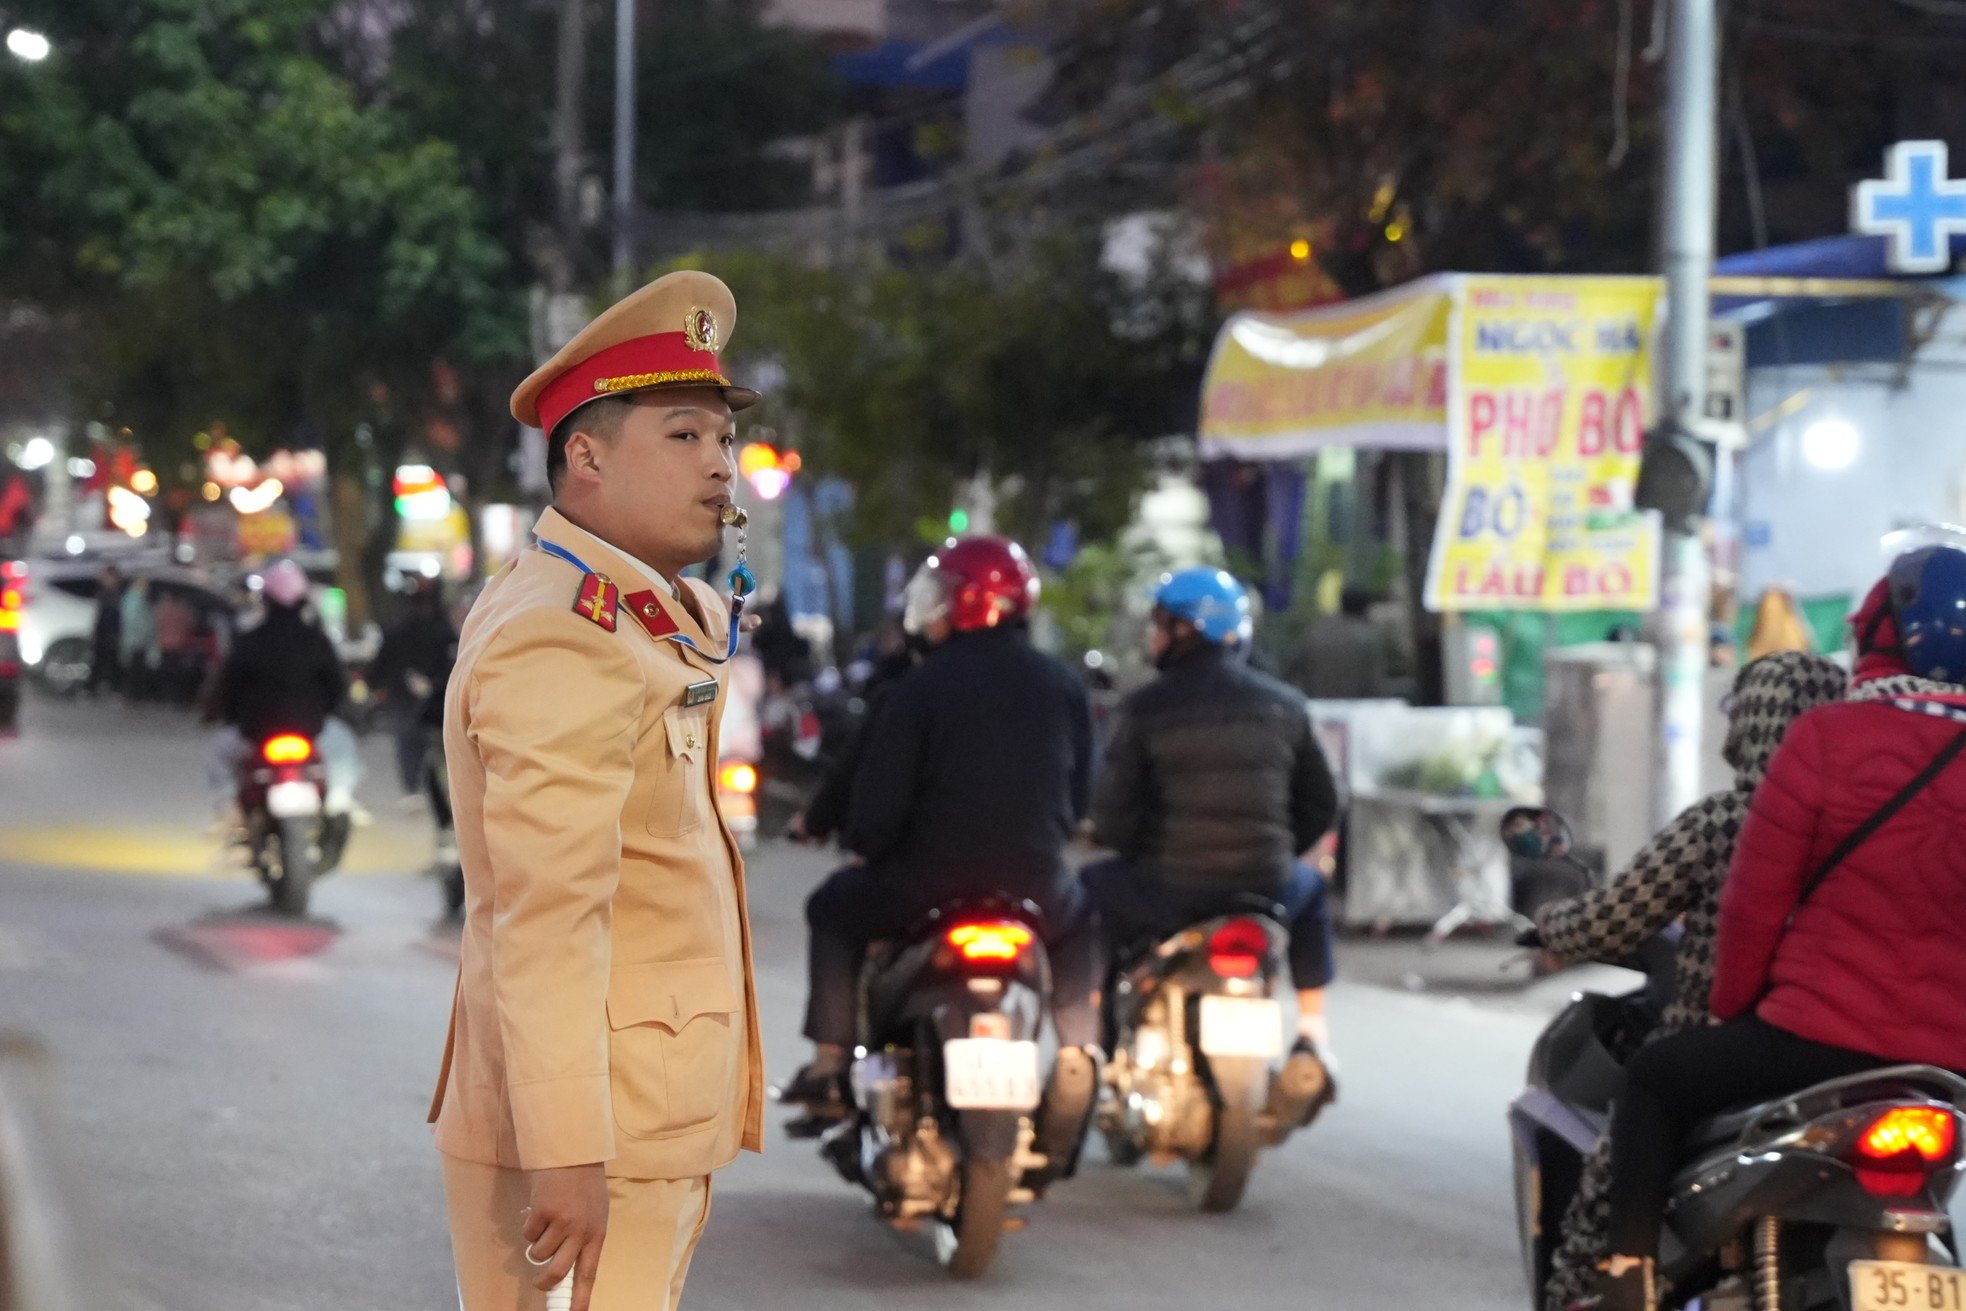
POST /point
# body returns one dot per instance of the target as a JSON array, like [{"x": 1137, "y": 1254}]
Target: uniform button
[
  {"x": 651, "y": 609},
  {"x": 690, "y": 742}
]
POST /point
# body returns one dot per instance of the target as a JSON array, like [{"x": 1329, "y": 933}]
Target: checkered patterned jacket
[{"x": 1680, "y": 871}]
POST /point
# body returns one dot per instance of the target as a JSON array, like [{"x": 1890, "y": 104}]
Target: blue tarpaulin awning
[
  {"x": 894, "y": 64},
  {"x": 1823, "y": 325}
]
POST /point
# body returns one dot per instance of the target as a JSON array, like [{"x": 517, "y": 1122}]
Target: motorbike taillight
[
  {"x": 1237, "y": 948},
  {"x": 989, "y": 943},
  {"x": 287, "y": 749},
  {"x": 1900, "y": 1148},
  {"x": 737, "y": 776}
]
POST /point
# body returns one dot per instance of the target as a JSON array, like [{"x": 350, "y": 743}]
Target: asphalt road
[{"x": 242, "y": 1104}]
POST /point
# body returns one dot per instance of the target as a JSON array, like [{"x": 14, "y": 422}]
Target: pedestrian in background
[
  {"x": 411, "y": 667},
  {"x": 1342, "y": 656},
  {"x": 106, "y": 638},
  {"x": 176, "y": 623},
  {"x": 136, "y": 641}
]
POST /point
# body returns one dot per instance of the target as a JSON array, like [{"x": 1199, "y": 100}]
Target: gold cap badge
[{"x": 700, "y": 330}]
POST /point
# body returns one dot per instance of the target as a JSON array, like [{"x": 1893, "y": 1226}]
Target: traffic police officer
[{"x": 603, "y": 1057}]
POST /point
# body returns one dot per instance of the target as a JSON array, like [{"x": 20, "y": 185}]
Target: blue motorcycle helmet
[
  {"x": 1211, "y": 601},
  {"x": 1928, "y": 599}
]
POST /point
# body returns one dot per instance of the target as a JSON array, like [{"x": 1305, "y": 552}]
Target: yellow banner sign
[
  {"x": 1368, "y": 373},
  {"x": 1551, "y": 397}
]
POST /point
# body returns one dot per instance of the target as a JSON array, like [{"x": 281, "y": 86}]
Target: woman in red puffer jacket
[{"x": 1869, "y": 970}]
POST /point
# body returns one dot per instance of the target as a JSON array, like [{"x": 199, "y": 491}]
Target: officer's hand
[{"x": 565, "y": 1226}]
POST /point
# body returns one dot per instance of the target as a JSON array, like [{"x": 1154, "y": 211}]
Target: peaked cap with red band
[{"x": 665, "y": 335}]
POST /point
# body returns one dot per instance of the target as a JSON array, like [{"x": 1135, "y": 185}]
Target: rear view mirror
[{"x": 1536, "y": 832}]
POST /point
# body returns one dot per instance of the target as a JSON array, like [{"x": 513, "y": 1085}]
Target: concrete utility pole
[
  {"x": 624, "y": 144},
  {"x": 570, "y": 75},
  {"x": 1679, "y": 625}
]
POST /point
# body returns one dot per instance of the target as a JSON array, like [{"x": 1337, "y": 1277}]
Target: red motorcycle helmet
[{"x": 974, "y": 583}]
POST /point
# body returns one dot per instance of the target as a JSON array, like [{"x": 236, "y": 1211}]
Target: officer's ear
[{"x": 586, "y": 455}]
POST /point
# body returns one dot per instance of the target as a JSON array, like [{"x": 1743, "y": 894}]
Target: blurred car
[
  {"x": 58, "y": 618},
  {"x": 58, "y": 613}
]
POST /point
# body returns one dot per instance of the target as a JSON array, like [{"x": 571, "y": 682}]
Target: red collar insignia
[{"x": 650, "y": 614}]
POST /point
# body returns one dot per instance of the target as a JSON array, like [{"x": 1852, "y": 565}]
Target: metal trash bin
[{"x": 1598, "y": 703}]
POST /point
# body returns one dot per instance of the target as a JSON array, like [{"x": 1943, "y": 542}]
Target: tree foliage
[
  {"x": 1495, "y": 135},
  {"x": 197, "y": 167},
  {"x": 1045, "y": 375}
]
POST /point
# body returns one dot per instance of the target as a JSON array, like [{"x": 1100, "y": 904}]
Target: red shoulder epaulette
[{"x": 598, "y": 600}]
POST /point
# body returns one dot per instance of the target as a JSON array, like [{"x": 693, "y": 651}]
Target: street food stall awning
[
  {"x": 1368, "y": 374},
  {"x": 1538, "y": 388}
]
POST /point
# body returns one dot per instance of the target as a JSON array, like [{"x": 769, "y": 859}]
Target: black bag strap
[{"x": 1883, "y": 816}]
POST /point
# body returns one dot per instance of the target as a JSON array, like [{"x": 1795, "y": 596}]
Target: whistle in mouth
[{"x": 734, "y": 516}]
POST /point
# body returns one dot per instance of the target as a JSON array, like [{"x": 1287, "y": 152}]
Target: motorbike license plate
[
  {"x": 990, "y": 1074},
  {"x": 292, "y": 800},
  {"x": 1241, "y": 1026},
  {"x": 1905, "y": 1286}
]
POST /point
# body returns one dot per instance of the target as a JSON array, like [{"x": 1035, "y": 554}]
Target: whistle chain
[{"x": 742, "y": 581}]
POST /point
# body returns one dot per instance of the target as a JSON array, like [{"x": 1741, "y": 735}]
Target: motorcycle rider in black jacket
[
  {"x": 1214, "y": 785},
  {"x": 283, "y": 676},
  {"x": 972, "y": 778}
]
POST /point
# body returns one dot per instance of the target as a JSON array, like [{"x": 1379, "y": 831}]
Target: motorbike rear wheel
[
  {"x": 294, "y": 847},
  {"x": 65, "y": 667},
  {"x": 1242, "y": 1087},
  {"x": 966, "y": 1243}
]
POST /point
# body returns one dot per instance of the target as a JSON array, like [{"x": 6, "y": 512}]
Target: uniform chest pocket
[{"x": 681, "y": 802}]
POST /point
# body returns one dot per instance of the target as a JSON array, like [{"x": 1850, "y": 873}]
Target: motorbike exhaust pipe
[{"x": 1298, "y": 1091}]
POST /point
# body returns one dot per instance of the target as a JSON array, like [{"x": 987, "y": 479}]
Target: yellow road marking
[{"x": 105, "y": 849}]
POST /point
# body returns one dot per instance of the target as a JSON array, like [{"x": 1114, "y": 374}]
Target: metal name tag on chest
[{"x": 700, "y": 694}]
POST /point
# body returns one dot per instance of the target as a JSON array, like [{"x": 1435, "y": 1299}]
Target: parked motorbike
[
  {"x": 946, "y": 1088},
  {"x": 1833, "y": 1198},
  {"x": 289, "y": 837},
  {"x": 1198, "y": 1029}
]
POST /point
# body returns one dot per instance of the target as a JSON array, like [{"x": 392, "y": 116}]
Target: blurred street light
[
  {"x": 259, "y": 499},
  {"x": 1831, "y": 444},
  {"x": 768, "y": 472},
  {"x": 37, "y": 453},
  {"x": 128, "y": 511},
  {"x": 25, "y": 43}
]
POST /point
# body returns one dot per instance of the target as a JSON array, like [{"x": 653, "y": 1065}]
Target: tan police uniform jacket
[{"x": 605, "y": 1005}]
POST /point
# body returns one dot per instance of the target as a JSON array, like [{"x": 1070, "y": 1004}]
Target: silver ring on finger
[{"x": 538, "y": 1264}]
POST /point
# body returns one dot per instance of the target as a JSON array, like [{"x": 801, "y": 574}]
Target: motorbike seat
[
  {"x": 1255, "y": 903},
  {"x": 1727, "y": 1127},
  {"x": 1817, "y": 1099}
]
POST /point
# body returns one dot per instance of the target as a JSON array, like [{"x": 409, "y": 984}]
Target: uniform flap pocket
[
  {"x": 689, "y": 730},
  {"x": 670, "y": 993}
]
